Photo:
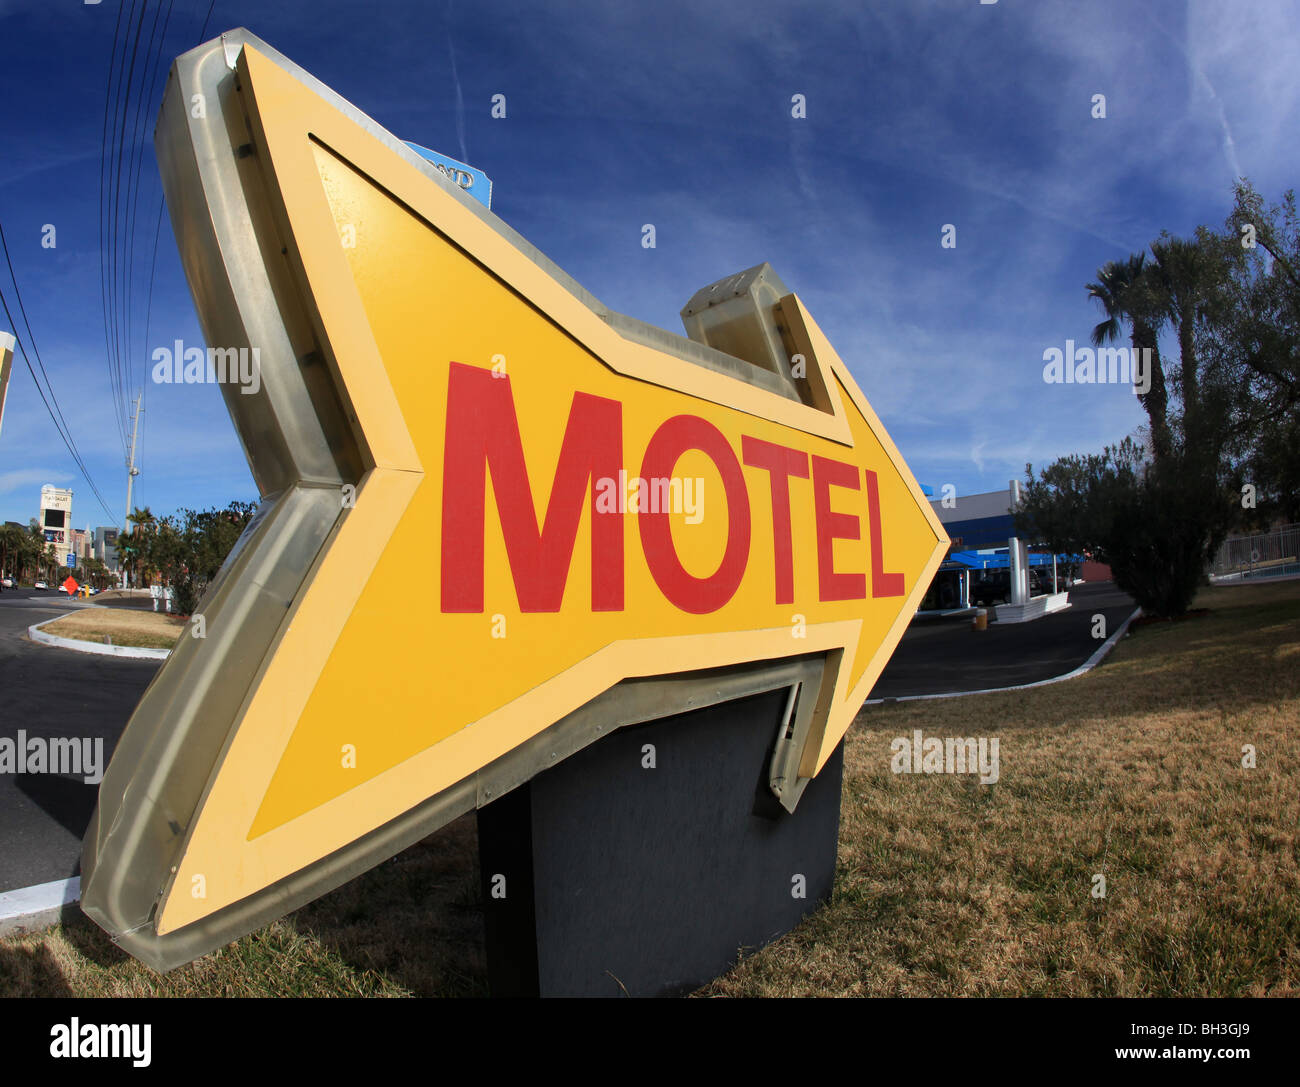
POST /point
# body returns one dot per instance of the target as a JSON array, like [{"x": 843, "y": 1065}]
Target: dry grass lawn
[
  {"x": 120, "y": 626},
  {"x": 950, "y": 888},
  {"x": 411, "y": 926},
  {"x": 945, "y": 886}
]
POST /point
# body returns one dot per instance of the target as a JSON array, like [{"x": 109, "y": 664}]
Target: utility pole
[{"x": 131, "y": 470}]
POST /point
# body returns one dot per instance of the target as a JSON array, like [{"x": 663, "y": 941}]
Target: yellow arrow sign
[{"x": 548, "y": 508}]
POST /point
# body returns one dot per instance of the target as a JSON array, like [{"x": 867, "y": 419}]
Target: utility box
[{"x": 739, "y": 315}]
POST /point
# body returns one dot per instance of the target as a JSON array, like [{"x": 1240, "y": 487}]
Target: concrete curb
[
  {"x": 1087, "y": 666},
  {"x": 1229, "y": 580},
  {"x": 31, "y": 909},
  {"x": 36, "y": 634}
]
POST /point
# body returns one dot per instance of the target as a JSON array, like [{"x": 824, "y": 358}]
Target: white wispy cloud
[{"x": 31, "y": 479}]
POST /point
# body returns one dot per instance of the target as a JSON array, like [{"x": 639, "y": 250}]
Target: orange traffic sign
[
  {"x": 588, "y": 502},
  {"x": 70, "y": 585}
]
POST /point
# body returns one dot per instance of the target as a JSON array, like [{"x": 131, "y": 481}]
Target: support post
[{"x": 642, "y": 865}]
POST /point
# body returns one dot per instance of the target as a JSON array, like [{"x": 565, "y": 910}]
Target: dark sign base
[{"x": 643, "y": 864}]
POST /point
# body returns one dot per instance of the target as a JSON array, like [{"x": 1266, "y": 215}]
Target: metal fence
[{"x": 1276, "y": 552}]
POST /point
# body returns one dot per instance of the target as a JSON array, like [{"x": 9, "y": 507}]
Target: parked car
[
  {"x": 6, "y": 583},
  {"x": 1040, "y": 581},
  {"x": 992, "y": 587},
  {"x": 41, "y": 586}
]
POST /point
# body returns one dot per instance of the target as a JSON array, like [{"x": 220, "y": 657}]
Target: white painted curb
[
  {"x": 138, "y": 652},
  {"x": 30, "y": 909},
  {"x": 1086, "y": 666},
  {"x": 1230, "y": 580}
]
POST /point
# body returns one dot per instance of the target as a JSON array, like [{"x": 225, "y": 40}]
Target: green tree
[
  {"x": 1254, "y": 343},
  {"x": 50, "y": 562},
  {"x": 1273, "y": 468},
  {"x": 34, "y": 550},
  {"x": 12, "y": 550},
  {"x": 207, "y": 538},
  {"x": 1218, "y": 414},
  {"x": 1140, "y": 516},
  {"x": 1263, "y": 329},
  {"x": 134, "y": 546},
  {"x": 1063, "y": 507},
  {"x": 186, "y": 550}
]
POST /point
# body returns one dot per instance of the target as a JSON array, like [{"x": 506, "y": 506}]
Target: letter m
[
  {"x": 482, "y": 436},
  {"x": 65, "y": 755},
  {"x": 1112, "y": 364},
  {"x": 223, "y": 364},
  {"x": 960, "y": 755}
]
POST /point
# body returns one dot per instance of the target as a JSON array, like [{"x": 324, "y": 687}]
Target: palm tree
[
  {"x": 132, "y": 544},
  {"x": 127, "y": 556},
  {"x": 50, "y": 559},
  {"x": 33, "y": 548},
  {"x": 1190, "y": 274},
  {"x": 97, "y": 572},
  {"x": 11, "y": 550},
  {"x": 1127, "y": 292}
]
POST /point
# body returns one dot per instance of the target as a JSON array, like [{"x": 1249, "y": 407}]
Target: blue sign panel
[
  {"x": 473, "y": 180},
  {"x": 72, "y": 561}
]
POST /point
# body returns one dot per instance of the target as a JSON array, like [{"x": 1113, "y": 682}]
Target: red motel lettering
[
  {"x": 695, "y": 594},
  {"x": 482, "y": 437}
]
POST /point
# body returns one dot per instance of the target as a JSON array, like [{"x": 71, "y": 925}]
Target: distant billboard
[{"x": 56, "y": 513}]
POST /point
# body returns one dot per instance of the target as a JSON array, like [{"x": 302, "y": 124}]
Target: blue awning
[{"x": 998, "y": 560}]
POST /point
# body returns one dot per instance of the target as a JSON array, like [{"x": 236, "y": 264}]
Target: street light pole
[{"x": 131, "y": 470}]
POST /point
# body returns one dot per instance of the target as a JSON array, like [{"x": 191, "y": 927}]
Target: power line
[
  {"x": 59, "y": 423},
  {"x": 122, "y": 306},
  {"x": 119, "y": 412},
  {"x": 153, "y": 261},
  {"x": 117, "y": 268},
  {"x": 134, "y": 171},
  {"x": 203, "y": 32},
  {"x": 153, "y": 269},
  {"x": 110, "y": 157},
  {"x": 22, "y": 309}
]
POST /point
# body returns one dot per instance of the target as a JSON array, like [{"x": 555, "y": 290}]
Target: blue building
[{"x": 989, "y": 564}]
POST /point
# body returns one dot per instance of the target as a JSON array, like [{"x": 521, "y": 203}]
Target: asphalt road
[
  {"x": 53, "y": 692},
  {"x": 941, "y": 655}
]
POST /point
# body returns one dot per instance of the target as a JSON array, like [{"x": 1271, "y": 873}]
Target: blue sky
[{"x": 920, "y": 113}]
